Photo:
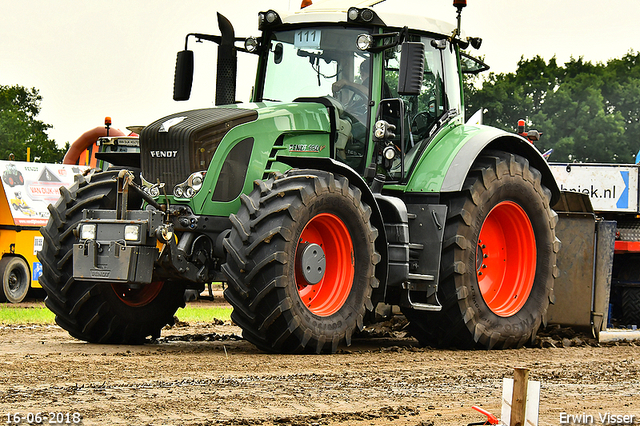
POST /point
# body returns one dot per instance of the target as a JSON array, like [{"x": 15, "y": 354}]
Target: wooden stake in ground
[{"x": 519, "y": 398}]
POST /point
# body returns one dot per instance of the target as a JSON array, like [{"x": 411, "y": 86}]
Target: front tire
[
  {"x": 301, "y": 262},
  {"x": 498, "y": 259},
  {"x": 98, "y": 312},
  {"x": 16, "y": 279}
]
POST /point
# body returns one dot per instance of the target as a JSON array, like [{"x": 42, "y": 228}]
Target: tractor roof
[{"x": 334, "y": 11}]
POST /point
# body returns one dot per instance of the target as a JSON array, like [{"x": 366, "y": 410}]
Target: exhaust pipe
[{"x": 227, "y": 64}]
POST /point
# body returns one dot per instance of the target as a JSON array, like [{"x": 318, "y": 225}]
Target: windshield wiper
[{"x": 448, "y": 115}]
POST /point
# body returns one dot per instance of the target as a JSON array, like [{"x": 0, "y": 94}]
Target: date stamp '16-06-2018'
[{"x": 42, "y": 418}]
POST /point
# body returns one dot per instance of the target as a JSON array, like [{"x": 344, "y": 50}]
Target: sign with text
[
  {"x": 31, "y": 187},
  {"x": 611, "y": 187}
]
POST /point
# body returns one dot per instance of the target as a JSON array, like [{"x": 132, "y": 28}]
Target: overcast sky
[{"x": 91, "y": 59}]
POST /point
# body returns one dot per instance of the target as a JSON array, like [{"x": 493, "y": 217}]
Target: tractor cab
[
  {"x": 355, "y": 64},
  {"x": 350, "y": 62}
]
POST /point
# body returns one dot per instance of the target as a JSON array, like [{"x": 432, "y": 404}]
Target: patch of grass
[
  {"x": 39, "y": 314},
  {"x": 10, "y": 315},
  {"x": 204, "y": 313}
]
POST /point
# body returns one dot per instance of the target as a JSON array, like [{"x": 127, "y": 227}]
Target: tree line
[
  {"x": 587, "y": 112},
  {"x": 20, "y": 128}
]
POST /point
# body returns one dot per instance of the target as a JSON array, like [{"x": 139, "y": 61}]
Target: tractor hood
[
  {"x": 211, "y": 140},
  {"x": 180, "y": 144}
]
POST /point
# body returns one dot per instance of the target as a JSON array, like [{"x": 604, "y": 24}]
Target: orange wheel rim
[
  {"x": 330, "y": 293},
  {"x": 506, "y": 259},
  {"x": 137, "y": 295}
]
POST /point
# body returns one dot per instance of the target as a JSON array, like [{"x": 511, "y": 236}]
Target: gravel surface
[{"x": 205, "y": 374}]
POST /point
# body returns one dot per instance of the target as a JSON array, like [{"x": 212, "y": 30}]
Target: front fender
[{"x": 455, "y": 153}]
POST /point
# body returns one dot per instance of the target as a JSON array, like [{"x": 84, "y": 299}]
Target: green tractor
[{"x": 350, "y": 180}]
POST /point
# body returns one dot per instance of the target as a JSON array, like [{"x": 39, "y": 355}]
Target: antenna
[{"x": 459, "y": 4}]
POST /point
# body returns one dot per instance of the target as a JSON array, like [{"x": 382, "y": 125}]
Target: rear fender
[{"x": 456, "y": 159}]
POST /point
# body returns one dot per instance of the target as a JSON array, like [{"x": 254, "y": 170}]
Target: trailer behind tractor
[{"x": 349, "y": 180}]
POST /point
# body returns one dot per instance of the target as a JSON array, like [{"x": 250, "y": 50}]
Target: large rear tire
[
  {"x": 96, "y": 311},
  {"x": 301, "y": 262},
  {"x": 498, "y": 259},
  {"x": 16, "y": 279}
]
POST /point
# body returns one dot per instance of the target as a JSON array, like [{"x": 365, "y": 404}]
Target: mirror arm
[
  {"x": 199, "y": 37},
  {"x": 215, "y": 39},
  {"x": 376, "y": 37}
]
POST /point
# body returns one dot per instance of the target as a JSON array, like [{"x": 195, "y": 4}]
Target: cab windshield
[{"x": 324, "y": 62}]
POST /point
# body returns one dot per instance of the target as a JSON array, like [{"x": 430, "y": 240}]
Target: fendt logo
[
  {"x": 103, "y": 273},
  {"x": 164, "y": 154}
]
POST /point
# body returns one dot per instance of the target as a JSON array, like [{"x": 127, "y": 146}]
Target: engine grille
[{"x": 178, "y": 145}]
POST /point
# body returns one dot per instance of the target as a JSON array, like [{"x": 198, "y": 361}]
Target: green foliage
[
  {"x": 19, "y": 127},
  {"x": 587, "y": 112}
]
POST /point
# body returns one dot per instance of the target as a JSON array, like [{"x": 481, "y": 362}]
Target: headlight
[
  {"x": 364, "y": 42},
  {"x": 190, "y": 187},
  {"x": 196, "y": 182},
  {"x": 88, "y": 232},
  {"x": 389, "y": 153},
  {"x": 131, "y": 233},
  {"x": 366, "y": 15},
  {"x": 271, "y": 17},
  {"x": 251, "y": 44},
  {"x": 383, "y": 131}
]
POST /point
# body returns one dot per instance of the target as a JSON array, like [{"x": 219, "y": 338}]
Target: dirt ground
[{"x": 205, "y": 374}]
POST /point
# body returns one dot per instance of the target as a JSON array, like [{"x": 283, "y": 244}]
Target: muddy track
[{"x": 205, "y": 374}]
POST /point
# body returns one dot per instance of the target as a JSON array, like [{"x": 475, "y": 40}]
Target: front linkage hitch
[{"x": 139, "y": 246}]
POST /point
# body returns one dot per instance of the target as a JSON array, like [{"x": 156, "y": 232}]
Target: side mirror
[
  {"x": 278, "y": 53},
  {"x": 411, "y": 69},
  {"x": 184, "y": 76}
]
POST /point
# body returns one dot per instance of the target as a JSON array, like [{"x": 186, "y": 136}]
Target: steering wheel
[
  {"x": 353, "y": 99},
  {"x": 421, "y": 123}
]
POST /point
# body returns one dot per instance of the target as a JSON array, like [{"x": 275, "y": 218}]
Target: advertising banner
[
  {"x": 31, "y": 187},
  {"x": 611, "y": 187}
]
